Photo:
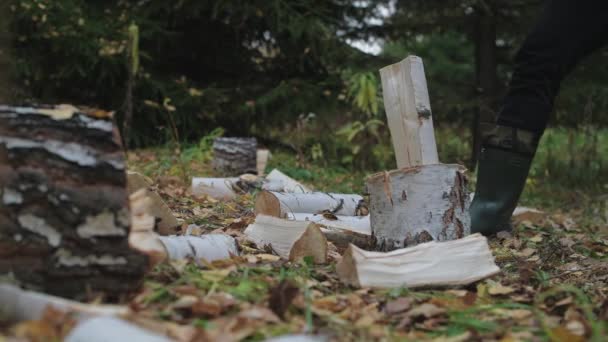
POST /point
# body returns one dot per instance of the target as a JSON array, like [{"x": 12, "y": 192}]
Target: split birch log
[
  {"x": 422, "y": 200},
  {"x": 358, "y": 224},
  {"x": 167, "y": 223},
  {"x": 235, "y": 156},
  {"x": 207, "y": 247},
  {"x": 291, "y": 240},
  {"x": 431, "y": 264},
  {"x": 288, "y": 184},
  {"x": 419, "y": 204},
  {"x": 342, "y": 230},
  {"x": 64, "y": 218},
  {"x": 408, "y": 110},
  {"x": 282, "y": 234},
  {"x": 280, "y": 204}
]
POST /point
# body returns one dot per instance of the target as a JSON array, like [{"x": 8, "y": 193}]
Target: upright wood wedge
[
  {"x": 408, "y": 110},
  {"x": 450, "y": 263}
]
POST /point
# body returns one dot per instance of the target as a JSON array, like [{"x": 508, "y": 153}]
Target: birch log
[
  {"x": 408, "y": 111},
  {"x": 451, "y": 263},
  {"x": 217, "y": 188},
  {"x": 288, "y": 184},
  {"x": 281, "y": 234},
  {"x": 279, "y": 204},
  {"x": 419, "y": 204},
  {"x": 104, "y": 329},
  {"x": 235, "y": 156},
  {"x": 95, "y": 322},
  {"x": 64, "y": 214},
  {"x": 208, "y": 247},
  {"x": 22, "y": 305},
  {"x": 229, "y": 188},
  {"x": 288, "y": 239}
]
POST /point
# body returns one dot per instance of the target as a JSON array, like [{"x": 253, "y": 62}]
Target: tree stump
[
  {"x": 235, "y": 156},
  {"x": 64, "y": 212},
  {"x": 419, "y": 204}
]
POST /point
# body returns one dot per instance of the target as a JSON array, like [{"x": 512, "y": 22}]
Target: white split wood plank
[{"x": 408, "y": 111}]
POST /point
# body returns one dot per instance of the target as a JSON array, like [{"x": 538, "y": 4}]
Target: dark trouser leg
[{"x": 566, "y": 32}]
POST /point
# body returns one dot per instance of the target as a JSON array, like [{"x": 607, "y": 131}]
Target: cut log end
[
  {"x": 347, "y": 268},
  {"x": 311, "y": 244},
  {"x": 267, "y": 203}
]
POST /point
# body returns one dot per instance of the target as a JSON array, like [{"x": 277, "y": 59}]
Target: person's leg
[{"x": 566, "y": 32}]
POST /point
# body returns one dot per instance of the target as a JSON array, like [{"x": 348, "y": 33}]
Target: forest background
[{"x": 299, "y": 75}]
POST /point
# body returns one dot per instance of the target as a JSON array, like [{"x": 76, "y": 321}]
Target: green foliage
[
  {"x": 363, "y": 91},
  {"x": 223, "y": 63}
]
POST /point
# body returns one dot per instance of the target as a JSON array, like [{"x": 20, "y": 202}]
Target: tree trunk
[
  {"x": 419, "y": 204},
  {"x": 486, "y": 71},
  {"x": 64, "y": 219},
  {"x": 235, "y": 156},
  {"x": 5, "y": 48}
]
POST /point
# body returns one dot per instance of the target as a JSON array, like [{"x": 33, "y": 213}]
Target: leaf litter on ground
[{"x": 553, "y": 286}]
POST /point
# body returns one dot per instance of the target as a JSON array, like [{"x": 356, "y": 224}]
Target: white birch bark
[
  {"x": 281, "y": 204},
  {"x": 209, "y": 247},
  {"x": 104, "y": 329},
  {"x": 217, "y": 188},
  {"x": 289, "y": 184},
  {"x": 419, "y": 204},
  {"x": 359, "y": 224}
]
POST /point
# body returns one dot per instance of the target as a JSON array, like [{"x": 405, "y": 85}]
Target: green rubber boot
[{"x": 504, "y": 164}]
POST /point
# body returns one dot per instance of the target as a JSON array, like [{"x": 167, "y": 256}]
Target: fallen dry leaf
[
  {"x": 426, "y": 310},
  {"x": 562, "y": 334},
  {"x": 281, "y": 297},
  {"x": 497, "y": 289},
  {"x": 398, "y": 305}
]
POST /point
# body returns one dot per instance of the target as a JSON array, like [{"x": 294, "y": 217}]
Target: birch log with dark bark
[
  {"x": 64, "y": 213},
  {"x": 235, "y": 156}
]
